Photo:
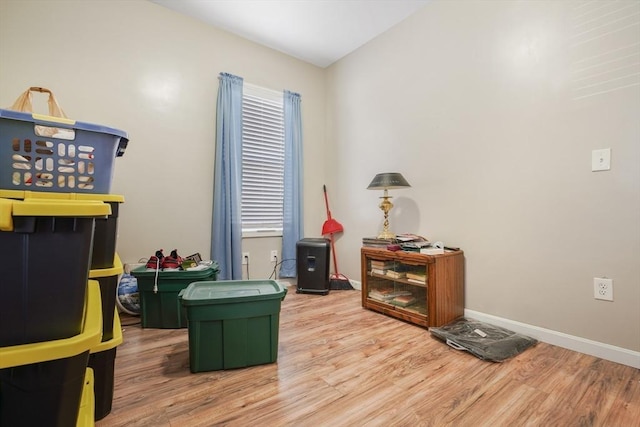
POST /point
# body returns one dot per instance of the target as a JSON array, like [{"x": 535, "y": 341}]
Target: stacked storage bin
[
  {"x": 159, "y": 303},
  {"x": 232, "y": 323},
  {"x": 102, "y": 358},
  {"x": 43, "y": 383},
  {"x": 102, "y": 363},
  {"x": 58, "y": 227}
]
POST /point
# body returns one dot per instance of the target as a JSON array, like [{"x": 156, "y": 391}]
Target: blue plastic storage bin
[{"x": 44, "y": 153}]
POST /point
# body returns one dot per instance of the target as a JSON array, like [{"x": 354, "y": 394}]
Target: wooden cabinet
[{"x": 427, "y": 290}]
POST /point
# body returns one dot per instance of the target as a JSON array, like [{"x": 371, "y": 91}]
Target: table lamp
[{"x": 387, "y": 181}]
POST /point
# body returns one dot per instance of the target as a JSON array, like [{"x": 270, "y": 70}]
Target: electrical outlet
[
  {"x": 274, "y": 256},
  {"x": 603, "y": 288},
  {"x": 245, "y": 258},
  {"x": 601, "y": 160}
]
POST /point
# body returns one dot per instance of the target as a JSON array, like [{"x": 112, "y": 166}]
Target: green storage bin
[
  {"x": 161, "y": 308},
  {"x": 232, "y": 323}
]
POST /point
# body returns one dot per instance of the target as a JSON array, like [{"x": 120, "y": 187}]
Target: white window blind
[{"x": 262, "y": 159}]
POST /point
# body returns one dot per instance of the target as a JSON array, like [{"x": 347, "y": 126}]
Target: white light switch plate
[{"x": 601, "y": 160}]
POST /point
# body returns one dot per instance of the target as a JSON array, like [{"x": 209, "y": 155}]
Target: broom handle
[
  {"x": 333, "y": 248},
  {"x": 333, "y": 254},
  {"x": 326, "y": 202}
]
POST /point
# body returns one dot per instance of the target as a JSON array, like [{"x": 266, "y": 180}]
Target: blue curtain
[
  {"x": 226, "y": 227},
  {"x": 292, "y": 227}
]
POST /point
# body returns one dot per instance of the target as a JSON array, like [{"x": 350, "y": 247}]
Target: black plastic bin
[
  {"x": 102, "y": 361},
  {"x": 108, "y": 280},
  {"x": 45, "y": 247},
  {"x": 41, "y": 384},
  {"x": 106, "y": 232},
  {"x": 43, "y": 394}
]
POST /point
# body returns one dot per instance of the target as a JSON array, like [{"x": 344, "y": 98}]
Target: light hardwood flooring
[{"x": 342, "y": 365}]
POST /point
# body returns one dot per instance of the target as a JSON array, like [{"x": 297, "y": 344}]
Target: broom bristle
[{"x": 340, "y": 283}]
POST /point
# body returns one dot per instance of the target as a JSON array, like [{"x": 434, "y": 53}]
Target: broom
[{"x": 337, "y": 281}]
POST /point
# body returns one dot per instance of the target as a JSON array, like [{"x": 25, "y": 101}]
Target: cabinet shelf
[
  {"x": 399, "y": 280},
  {"x": 427, "y": 290}
]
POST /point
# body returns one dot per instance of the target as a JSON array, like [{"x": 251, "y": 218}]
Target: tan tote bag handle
[{"x": 24, "y": 104}]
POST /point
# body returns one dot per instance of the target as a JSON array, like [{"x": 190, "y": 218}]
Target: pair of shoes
[
  {"x": 155, "y": 261},
  {"x": 173, "y": 261},
  {"x": 160, "y": 261}
]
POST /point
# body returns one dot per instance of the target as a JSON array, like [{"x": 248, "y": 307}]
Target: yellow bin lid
[
  {"x": 27, "y": 354},
  {"x": 108, "y": 272},
  {"x": 26, "y": 194},
  {"x": 117, "y": 336},
  {"x": 10, "y": 208}
]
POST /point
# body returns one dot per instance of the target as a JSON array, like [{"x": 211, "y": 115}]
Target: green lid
[
  {"x": 225, "y": 291},
  {"x": 197, "y": 273}
]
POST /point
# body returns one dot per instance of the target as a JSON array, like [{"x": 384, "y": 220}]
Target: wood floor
[{"x": 341, "y": 365}]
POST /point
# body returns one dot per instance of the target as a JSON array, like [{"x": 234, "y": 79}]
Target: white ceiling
[{"x": 315, "y": 31}]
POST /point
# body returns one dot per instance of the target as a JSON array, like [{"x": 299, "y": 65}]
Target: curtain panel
[
  {"x": 292, "y": 221},
  {"x": 226, "y": 228}
]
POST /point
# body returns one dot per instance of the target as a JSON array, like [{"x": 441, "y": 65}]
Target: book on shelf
[
  {"x": 407, "y": 242},
  {"x": 412, "y": 242},
  {"x": 383, "y": 265},
  {"x": 431, "y": 251},
  {"x": 386, "y": 294},
  {"x": 383, "y": 291},
  {"x": 417, "y": 281},
  {"x": 417, "y": 277},
  {"x": 374, "y": 242},
  {"x": 396, "y": 274},
  {"x": 403, "y": 300},
  {"x": 408, "y": 237},
  {"x": 380, "y": 298}
]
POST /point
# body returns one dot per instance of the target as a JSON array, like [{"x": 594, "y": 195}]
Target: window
[{"x": 262, "y": 160}]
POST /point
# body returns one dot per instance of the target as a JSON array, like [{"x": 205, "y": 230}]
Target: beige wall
[
  {"x": 478, "y": 104},
  {"x": 491, "y": 111},
  {"x": 139, "y": 67}
]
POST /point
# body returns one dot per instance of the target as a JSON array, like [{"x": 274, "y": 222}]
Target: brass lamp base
[
  {"x": 386, "y": 206},
  {"x": 386, "y": 235}
]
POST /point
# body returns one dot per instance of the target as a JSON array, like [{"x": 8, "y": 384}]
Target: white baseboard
[{"x": 582, "y": 345}]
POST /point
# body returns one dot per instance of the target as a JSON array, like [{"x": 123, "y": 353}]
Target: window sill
[{"x": 249, "y": 234}]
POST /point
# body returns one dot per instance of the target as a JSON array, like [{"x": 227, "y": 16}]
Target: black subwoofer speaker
[{"x": 312, "y": 259}]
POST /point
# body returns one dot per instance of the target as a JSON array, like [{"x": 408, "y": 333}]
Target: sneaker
[
  {"x": 172, "y": 262},
  {"x": 174, "y": 255},
  {"x": 155, "y": 261}
]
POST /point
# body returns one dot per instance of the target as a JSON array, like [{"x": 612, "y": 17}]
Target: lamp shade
[{"x": 388, "y": 180}]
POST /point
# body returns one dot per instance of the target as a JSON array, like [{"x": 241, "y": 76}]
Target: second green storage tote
[{"x": 233, "y": 323}]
